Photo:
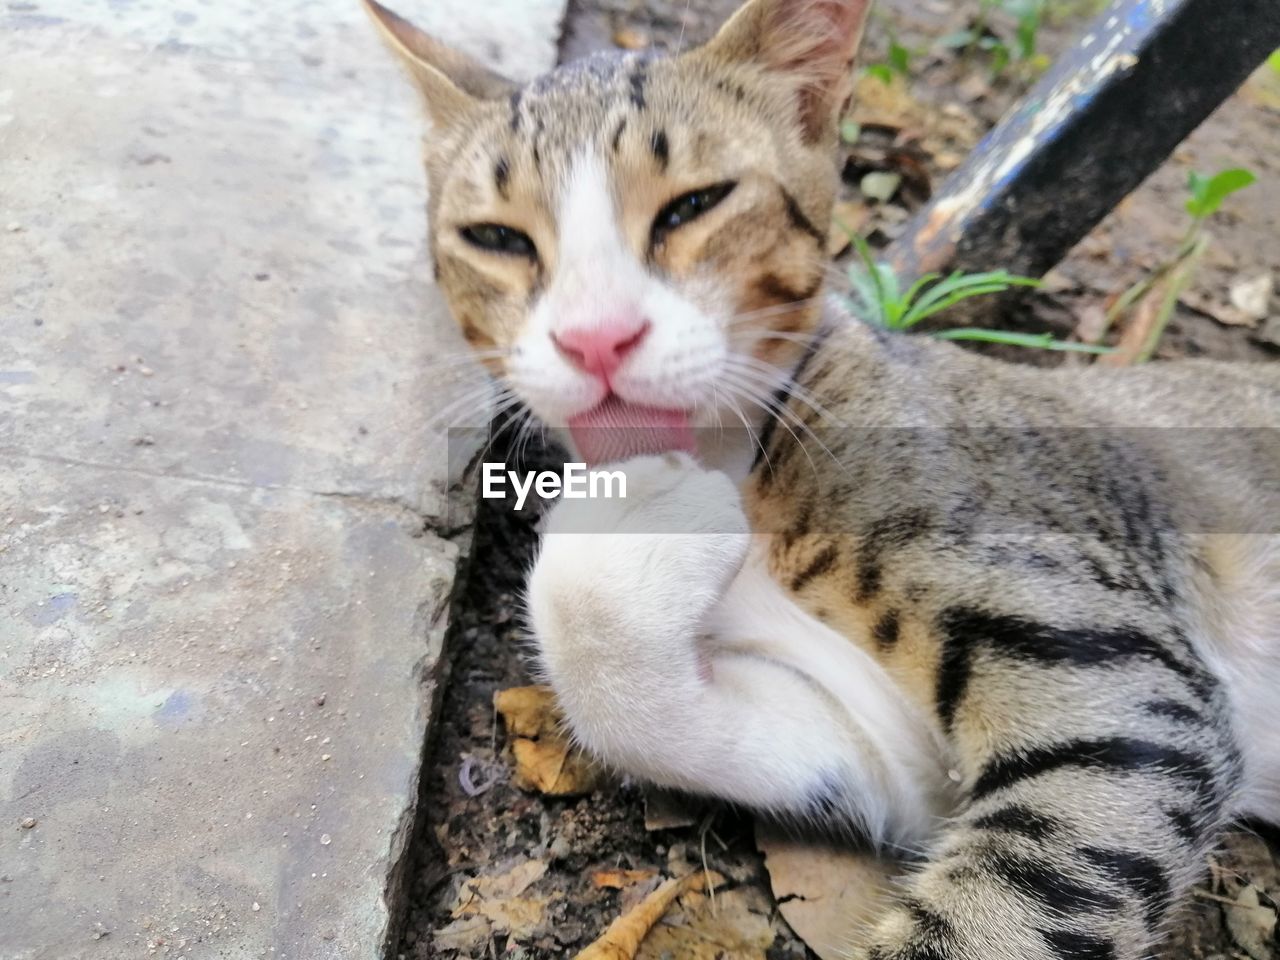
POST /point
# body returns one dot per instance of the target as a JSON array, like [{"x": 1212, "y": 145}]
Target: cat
[{"x": 1023, "y": 624}]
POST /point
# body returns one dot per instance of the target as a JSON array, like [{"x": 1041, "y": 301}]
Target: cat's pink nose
[{"x": 600, "y": 350}]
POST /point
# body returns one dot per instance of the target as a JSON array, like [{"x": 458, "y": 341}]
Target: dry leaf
[
  {"x": 528, "y": 711},
  {"x": 625, "y": 934},
  {"x": 1253, "y": 297},
  {"x": 669, "y": 810},
  {"x": 1224, "y": 313},
  {"x": 848, "y": 218},
  {"x": 877, "y": 103},
  {"x": 498, "y": 900},
  {"x": 738, "y": 923},
  {"x": 826, "y": 895},
  {"x": 1142, "y": 320},
  {"x": 617, "y": 879},
  {"x": 546, "y": 761},
  {"x": 629, "y": 38},
  {"x": 553, "y": 766},
  {"x": 1252, "y": 924},
  {"x": 880, "y": 185},
  {"x": 466, "y": 936}
]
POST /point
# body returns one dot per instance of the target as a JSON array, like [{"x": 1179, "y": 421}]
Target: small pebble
[
  {"x": 29, "y": 823},
  {"x": 256, "y": 906},
  {"x": 325, "y": 839},
  {"x": 14, "y": 226},
  {"x": 324, "y": 756},
  {"x": 319, "y": 701}
]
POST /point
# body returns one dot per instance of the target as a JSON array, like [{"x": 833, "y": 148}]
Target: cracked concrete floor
[{"x": 225, "y": 547}]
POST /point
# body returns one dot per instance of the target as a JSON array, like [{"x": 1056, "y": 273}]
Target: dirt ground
[{"x": 501, "y": 872}]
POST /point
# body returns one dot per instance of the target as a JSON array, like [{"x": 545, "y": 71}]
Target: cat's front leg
[{"x": 677, "y": 661}]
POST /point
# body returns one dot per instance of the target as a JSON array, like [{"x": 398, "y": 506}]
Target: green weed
[
  {"x": 880, "y": 300},
  {"x": 1164, "y": 286},
  {"x": 1022, "y": 49},
  {"x": 897, "y": 61}
]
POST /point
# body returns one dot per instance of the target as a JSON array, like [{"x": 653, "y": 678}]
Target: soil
[{"x": 476, "y": 823}]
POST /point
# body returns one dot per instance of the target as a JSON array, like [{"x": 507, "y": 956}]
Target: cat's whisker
[
  {"x": 784, "y": 376},
  {"x": 770, "y": 406},
  {"x": 494, "y": 435},
  {"x": 736, "y": 408},
  {"x": 781, "y": 380},
  {"x": 521, "y": 439},
  {"x": 774, "y": 310},
  {"x": 464, "y": 362},
  {"x": 488, "y": 393}
]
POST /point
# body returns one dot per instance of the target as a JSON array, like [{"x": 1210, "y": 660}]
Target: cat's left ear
[
  {"x": 813, "y": 42},
  {"x": 452, "y": 83}
]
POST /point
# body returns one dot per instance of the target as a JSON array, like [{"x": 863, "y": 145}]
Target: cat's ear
[
  {"x": 452, "y": 82},
  {"x": 814, "y": 42}
]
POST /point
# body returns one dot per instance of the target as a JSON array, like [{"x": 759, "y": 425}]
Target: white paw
[{"x": 644, "y": 567}]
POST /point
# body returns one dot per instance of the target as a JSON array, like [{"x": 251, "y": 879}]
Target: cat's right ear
[
  {"x": 452, "y": 83},
  {"x": 813, "y": 42}
]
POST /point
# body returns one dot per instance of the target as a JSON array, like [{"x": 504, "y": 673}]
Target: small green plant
[
  {"x": 1207, "y": 193},
  {"x": 1274, "y": 61},
  {"x": 880, "y": 299},
  {"x": 1023, "y": 49},
  {"x": 898, "y": 61},
  {"x": 1153, "y": 300}
]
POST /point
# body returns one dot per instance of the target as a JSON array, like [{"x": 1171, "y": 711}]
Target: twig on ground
[{"x": 623, "y": 938}]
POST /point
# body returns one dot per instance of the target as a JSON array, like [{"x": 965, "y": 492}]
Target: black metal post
[{"x": 1142, "y": 77}]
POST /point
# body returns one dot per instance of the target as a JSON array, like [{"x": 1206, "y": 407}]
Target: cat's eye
[
  {"x": 496, "y": 238},
  {"x": 688, "y": 207}
]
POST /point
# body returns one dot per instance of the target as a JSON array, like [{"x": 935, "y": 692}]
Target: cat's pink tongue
[{"x": 617, "y": 430}]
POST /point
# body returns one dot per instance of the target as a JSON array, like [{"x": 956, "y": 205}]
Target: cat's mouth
[{"x": 616, "y": 429}]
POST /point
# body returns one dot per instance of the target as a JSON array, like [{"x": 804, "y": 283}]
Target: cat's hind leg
[{"x": 1095, "y": 786}]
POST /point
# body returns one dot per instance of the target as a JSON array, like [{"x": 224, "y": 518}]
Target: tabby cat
[{"x": 1022, "y": 624}]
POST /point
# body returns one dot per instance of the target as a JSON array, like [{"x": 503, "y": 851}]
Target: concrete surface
[{"x": 224, "y": 561}]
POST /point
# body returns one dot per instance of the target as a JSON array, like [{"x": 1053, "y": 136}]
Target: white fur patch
[{"x": 677, "y": 659}]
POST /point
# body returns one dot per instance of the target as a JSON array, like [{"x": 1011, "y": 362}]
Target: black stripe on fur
[
  {"x": 964, "y": 629},
  {"x": 1078, "y": 946},
  {"x": 1045, "y": 883},
  {"x": 1017, "y": 819},
  {"x": 1141, "y": 874},
  {"x": 1114, "y": 755}
]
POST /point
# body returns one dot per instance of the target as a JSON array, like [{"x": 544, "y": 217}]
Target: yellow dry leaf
[
  {"x": 528, "y": 711},
  {"x": 617, "y": 879},
  {"x": 625, "y": 934},
  {"x": 738, "y": 923},
  {"x": 546, "y": 762},
  {"x": 554, "y": 767}
]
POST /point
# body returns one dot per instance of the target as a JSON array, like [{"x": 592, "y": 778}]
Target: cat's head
[{"x": 637, "y": 239}]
